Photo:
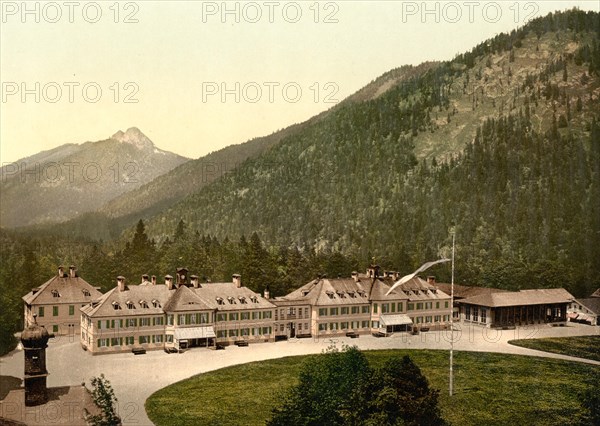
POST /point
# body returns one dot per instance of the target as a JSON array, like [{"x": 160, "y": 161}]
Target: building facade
[
  {"x": 178, "y": 314},
  {"x": 517, "y": 308},
  {"x": 585, "y": 311},
  {"x": 57, "y": 302}
]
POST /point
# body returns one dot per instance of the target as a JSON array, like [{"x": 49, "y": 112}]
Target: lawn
[
  {"x": 582, "y": 347},
  {"x": 490, "y": 389}
]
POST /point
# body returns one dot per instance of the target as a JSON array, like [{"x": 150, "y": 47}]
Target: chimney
[
  {"x": 121, "y": 283},
  {"x": 373, "y": 271},
  {"x": 145, "y": 278},
  {"x": 396, "y": 275},
  {"x": 153, "y": 279},
  {"x": 169, "y": 282},
  {"x": 267, "y": 293},
  {"x": 72, "y": 271},
  {"x": 431, "y": 280},
  {"x": 195, "y": 282},
  {"x": 61, "y": 271},
  {"x": 355, "y": 276},
  {"x": 237, "y": 280}
]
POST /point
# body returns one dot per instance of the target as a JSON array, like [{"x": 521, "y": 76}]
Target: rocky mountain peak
[{"x": 133, "y": 136}]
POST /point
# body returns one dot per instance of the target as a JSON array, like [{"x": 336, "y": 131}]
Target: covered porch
[
  {"x": 395, "y": 323},
  {"x": 190, "y": 337}
]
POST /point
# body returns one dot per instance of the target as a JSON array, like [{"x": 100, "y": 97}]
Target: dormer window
[
  {"x": 130, "y": 305},
  {"x": 55, "y": 293},
  {"x": 254, "y": 299},
  {"x": 305, "y": 293},
  {"x": 231, "y": 300},
  {"x": 341, "y": 294},
  {"x": 86, "y": 292},
  {"x": 242, "y": 300},
  {"x": 116, "y": 306},
  {"x": 220, "y": 300},
  {"x": 144, "y": 304},
  {"x": 330, "y": 294},
  {"x": 156, "y": 303}
]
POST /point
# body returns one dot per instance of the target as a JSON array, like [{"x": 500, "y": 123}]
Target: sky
[{"x": 196, "y": 76}]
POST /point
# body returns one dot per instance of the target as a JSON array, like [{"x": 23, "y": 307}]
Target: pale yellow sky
[{"x": 205, "y": 75}]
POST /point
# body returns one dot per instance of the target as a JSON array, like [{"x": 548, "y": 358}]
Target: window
[
  {"x": 55, "y": 293},
  {"x": 437, "y": 305},
  {"x": 204, "y": 318},
  {"x": 169, "y": 338},
  {"x": 483, "y": 317},
  {"x": 446, "y": 304},
  {"x": 245, "y": 331},
  {"x": 345, "y": 310},
  {"x": 428, "y": 319},
  {"x": 55, "y": 311},
  {"x": 266, "y": 331},
  {"x": 419, "y": 306},
  {"x": 131, "y": 322},
  {"x": 181, "y": 319},
  {"x": 428, "y": 305},
  {"x": 467, "y": 312},
  {"x": 143, "y": 339},
  {"x": 144, "y": 322},
  {"x": 410, "y": 306},
  {"x": 475, "y": 313},
  {"x": 333, "y": 326},
  {"x": 393, "y": 307},
  {"x": 71, "y": 309},
  {"x": 102, "y": 343},
  {"x": 242, "y": 300},
  {"x": 334, "y": 311},
  {"x": 322, "y": 327},
  {"x": 86, "y": 292},
  {"x": 220, "y": 300},
  {"x": 267, "y": 314},
  {"x": 385, "y": 308},
  {"x": 130, "y": 305},
  {"x": 156, "y": 303},
  {"x": 170, "y": 319},
  {"x": 233, "y": 333},
  {"x": 221, "y": 333},
  {"x": 400, "y": 307},
  {"x": 344, "y": 326},
  {"x": 116, "y": 341},
  {"x": 365, "y": 324},
  {"x": 419, "y": 320},
  {"x": 41, "y": 311},
  {"x": 221, "y": 317},
  {"x": 231, "y": 300},
  {"x": 365, "y": 309},
  {"x": 437, "y": 318},
  {"x": 234, "y": 316},
  {"x": 375, "y": 308},
  {"x": 255, "y": 315},
  {"x": 322, "y": 312},
  {"x": 144, "y": 304},
  {"x": 375, "y": 324},
  {"x": 245, "y": 316},
  {"x": 157, "y": 321},
  {"x": 116, "y": 306},
  {"x": 157, "y": 338},
  {"x": 355, "y": 310},
  {"x": 129, "y": 340},
  {"x": 330, "y": 294},
  {"x": 55, "y": 328}
]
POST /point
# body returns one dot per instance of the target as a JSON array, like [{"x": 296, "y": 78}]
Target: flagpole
[{"x": 452, "y": 318}]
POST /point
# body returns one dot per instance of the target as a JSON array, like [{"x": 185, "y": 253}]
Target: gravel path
[{"x": 135, "y": 378}]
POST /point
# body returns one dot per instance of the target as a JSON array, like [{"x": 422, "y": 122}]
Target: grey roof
[
  {"x": 520, "y": 298},
  {"x": 181, "y": 299},
  {"x": 340, "y": 291},
  {"x": 417, "y": 289},
  {"x": 592, "y": 303},
  {"x": 395, "y": 319},
  {"x": 71, "y": 290},
  {"x": 464, "y": 291},
  {"x": 105, "y": 305},
  {"x": 234, "y": 298}
]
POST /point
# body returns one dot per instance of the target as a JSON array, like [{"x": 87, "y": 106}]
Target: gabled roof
[
  {"x": 134, "y": 295},
  {"x": 70, "y": 289},
  {"x": 522, "y": 297},
  {"x": 340, "y": 291},
  {"x": 417, "y": 289},
  {"x": 184, "y": 299},
  {"x": 596, "y": 293}
]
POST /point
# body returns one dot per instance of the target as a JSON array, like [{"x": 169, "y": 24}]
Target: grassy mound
[
  {"x": 491, "y": 389},
  {"x": 582, "y": 347}
]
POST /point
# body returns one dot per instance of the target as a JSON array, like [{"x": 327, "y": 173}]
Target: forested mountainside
[{"x": 511, "y": 149}]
